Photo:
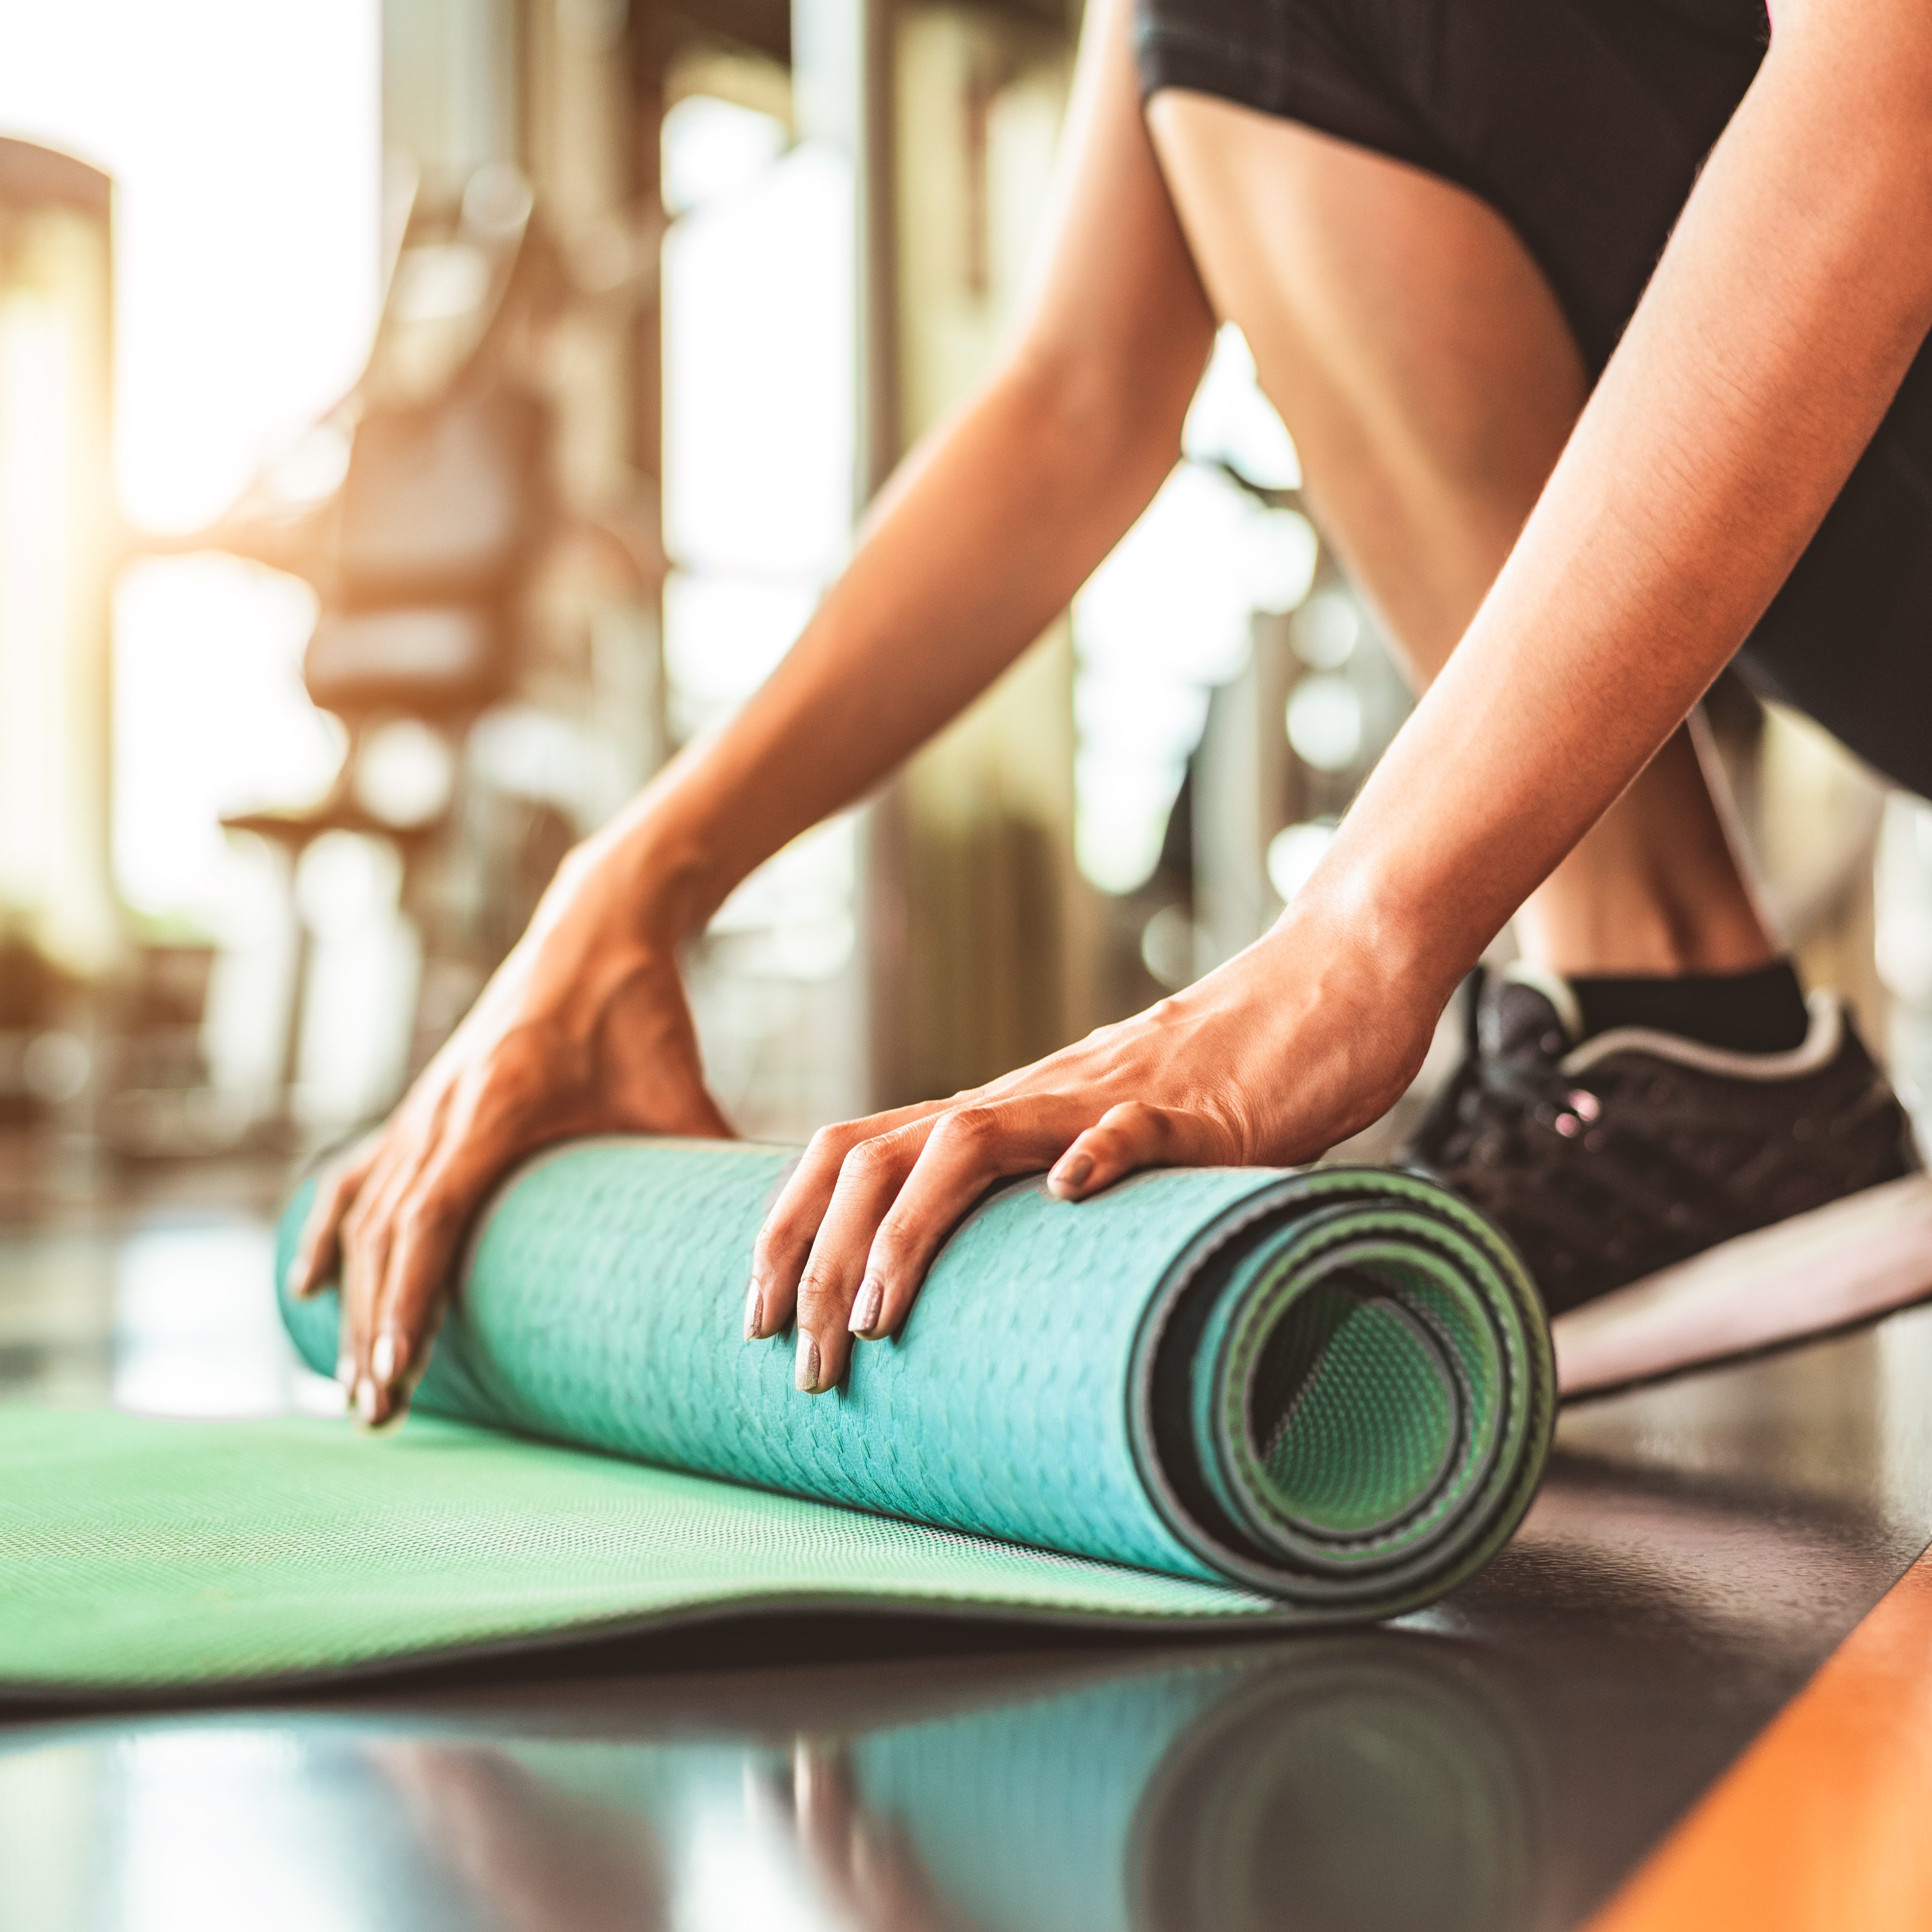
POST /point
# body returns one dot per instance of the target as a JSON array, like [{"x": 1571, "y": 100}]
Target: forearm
[
  {"x": 970, "y": 557},
  {"x": 978, "y": 542},
  {"x": 1783, "y": 315}
]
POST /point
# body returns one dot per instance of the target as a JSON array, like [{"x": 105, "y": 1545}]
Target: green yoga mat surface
[{"x": 1209, "y": 1395}]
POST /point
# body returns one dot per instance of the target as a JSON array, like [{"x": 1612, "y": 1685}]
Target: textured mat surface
[
  {"x": 146, "y": 1555},
  {"x": 1317, "y": 1397}
]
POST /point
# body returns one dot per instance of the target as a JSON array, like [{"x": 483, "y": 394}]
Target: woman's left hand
[{"x": 1301, "y": 1040}]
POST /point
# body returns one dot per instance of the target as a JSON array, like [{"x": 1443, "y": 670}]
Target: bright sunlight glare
[{"x": 244, "y": 143}]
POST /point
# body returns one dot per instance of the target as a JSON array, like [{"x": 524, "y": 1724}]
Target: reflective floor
[{"x": 1501, "y": 1762}]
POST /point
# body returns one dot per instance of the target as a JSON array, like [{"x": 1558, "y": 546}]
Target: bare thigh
[{"x": 1407, "y": 337}]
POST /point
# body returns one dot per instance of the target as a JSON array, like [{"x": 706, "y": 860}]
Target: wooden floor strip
[{"x": 1826, "y": 1821}]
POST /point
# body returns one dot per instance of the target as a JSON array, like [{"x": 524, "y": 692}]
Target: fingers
[
  {"x": 865, "y": 1865},
  {"x": 1132, "y": 1136},
  {"x": 784, "y": 1242},
  {"x": 427, "y": 1221},
  {"x": 896, "y": 1196},
  {"x": 372, "y": 1368},
  {"x": 825, "y": 1801},
  {"x": 850, "y": 1239},
  {"x": 366, "y": 1236},
  {"x": 964, "y": 1153},
  {"x": 318, "y": 1250},
  {"x": 835, "y": 1274},
  {"x": 577, "y": 1033}
]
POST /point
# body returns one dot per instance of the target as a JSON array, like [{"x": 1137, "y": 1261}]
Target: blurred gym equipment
[{"x": 431, "y": 559}]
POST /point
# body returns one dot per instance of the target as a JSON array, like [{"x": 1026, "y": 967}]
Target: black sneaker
[{"x": 1676, "y": 1203}]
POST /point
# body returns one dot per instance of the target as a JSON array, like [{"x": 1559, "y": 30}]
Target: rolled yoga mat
[{"x": 1237, "y": 1394}]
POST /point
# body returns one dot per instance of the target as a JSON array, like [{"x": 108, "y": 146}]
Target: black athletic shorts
[{"x": 1583, "y": 123}]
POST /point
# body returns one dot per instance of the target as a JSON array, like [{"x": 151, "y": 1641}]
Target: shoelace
[{"x": 1519, "y": 1122}]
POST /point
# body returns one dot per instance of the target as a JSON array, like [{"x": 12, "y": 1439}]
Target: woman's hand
[
  {"x": 584, "y": 1030},
  {"x": 1303, "y": 1039}
]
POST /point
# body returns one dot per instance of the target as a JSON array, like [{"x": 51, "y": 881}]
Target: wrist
[
  {"x": 1398, "y": 948},
  {"x": 650, "y": 874},
  {"x": 661, "y": 881}
]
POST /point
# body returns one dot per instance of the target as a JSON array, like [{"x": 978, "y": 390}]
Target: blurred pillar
[
  {"x": 997, "y": 932},
  {"x": 449, "y": 84},
  {"x": 592, "y": 109},
  {"x": 57, "y": 523},
  {"x": 842, "y": 96},
  {"x": 596, "y": 180},
  {"x": 1244, "y": 787}
]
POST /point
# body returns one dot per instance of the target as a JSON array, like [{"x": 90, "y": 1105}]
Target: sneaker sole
[{"x": 1838, "y": 1267}]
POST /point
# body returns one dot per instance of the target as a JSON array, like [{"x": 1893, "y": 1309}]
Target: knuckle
[
  {"x": 894, "y": 1256},
  {"x": 343, "y": 1188},
  {"x": 364, "y": 1244},
  {"x": 814, "y": 1286},
  {"x": 969, "y": 1129},
  {"x": 827, "y": 1148},
  {"x": 786, "y": 1230},
  {"x": 417, "y": 1220},
  {"x": 870, "y": 1160}
]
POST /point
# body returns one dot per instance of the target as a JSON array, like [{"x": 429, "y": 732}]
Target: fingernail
[
  {"x": 385, "y": 1358},
  {"x": 345, "y": 1369},
  {"x": 806, "y": 1374},
  {"x": 871, "y": 1304},
  {"x": 1073, "y": 1173},
  {"x": 755, "y": 1312},
  {"x": 368, "y": 1398}
]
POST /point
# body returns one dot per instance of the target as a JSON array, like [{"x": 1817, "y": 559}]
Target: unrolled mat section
[{"x": 1331, "y": 1387}]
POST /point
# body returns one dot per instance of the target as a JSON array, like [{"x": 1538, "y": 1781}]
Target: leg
[{"x": 1430, "y": 381}]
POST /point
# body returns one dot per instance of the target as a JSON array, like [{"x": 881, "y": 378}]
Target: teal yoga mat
[{"x": 1207, "y": 1395}]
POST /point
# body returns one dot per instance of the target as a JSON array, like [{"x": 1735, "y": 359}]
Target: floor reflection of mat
[{"x": 1363, "y": 1781}]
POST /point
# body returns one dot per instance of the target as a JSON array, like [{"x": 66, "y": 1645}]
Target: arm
[
  {"x": 987, "y": 530},
  {"x": 1783, "y": 315},
  {"x": 1785, "y": 310},
  {"x": 983, "y": 536}
]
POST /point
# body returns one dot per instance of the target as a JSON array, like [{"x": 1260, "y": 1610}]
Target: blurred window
[
  {"x": 245, "y": 144},
  {"x": 758, "y": 408},
  {"x": 1166, "y": 617}
]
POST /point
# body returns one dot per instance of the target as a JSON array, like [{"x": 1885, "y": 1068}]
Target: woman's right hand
[{"x": 584, "y": 1029}]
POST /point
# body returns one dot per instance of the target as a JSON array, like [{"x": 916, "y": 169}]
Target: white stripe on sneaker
[
  {"x": 1838, "y": 1265},
  {"x": 1817, "y": 1051}
]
